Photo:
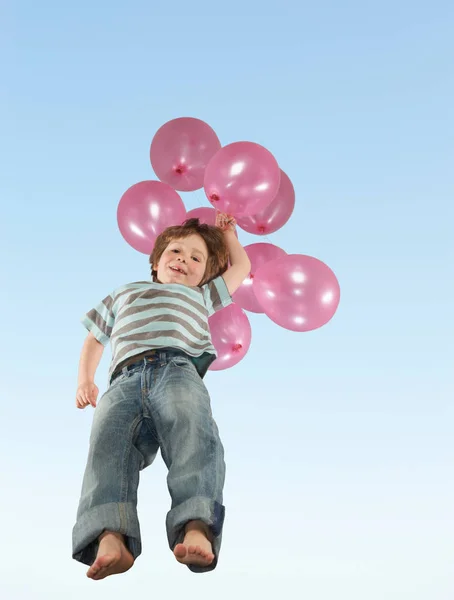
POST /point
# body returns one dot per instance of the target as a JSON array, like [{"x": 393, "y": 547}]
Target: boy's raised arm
[{"x": 239, "y": 260}]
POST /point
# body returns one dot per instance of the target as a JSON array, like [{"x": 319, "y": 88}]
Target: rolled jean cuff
[
  {"x": 197, "y": 509},
  {"x": 115, "y": 516}
]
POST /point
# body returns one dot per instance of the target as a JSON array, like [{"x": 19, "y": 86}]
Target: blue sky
[{"x": 338, "y": 441}]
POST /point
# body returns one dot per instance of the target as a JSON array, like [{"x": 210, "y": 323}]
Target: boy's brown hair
[{"x": 218, "y": 254}]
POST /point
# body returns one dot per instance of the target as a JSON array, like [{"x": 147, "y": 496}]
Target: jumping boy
[{"x": 156, "y": 399}]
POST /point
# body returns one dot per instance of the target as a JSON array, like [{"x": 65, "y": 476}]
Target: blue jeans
[{"x": 160, "y": 402}]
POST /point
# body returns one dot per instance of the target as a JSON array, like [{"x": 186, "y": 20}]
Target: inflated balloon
[
  {"x": 259, "y": 254},
  {"x": 231, "y": 336},
  {"x": 242, "y": 179},
  {"x": 298, "y": 292},
  {"x": 180, "y": 151},
  {"x": 205, "y": 214},
  {"x": 275, "y": 215},
  {"x": 145, "y": 210}
]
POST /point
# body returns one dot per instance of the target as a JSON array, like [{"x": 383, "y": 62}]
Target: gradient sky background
[{"x": 338, "y": 442}]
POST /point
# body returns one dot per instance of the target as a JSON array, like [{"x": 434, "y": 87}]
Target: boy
[{"x": 156, "y": 399}]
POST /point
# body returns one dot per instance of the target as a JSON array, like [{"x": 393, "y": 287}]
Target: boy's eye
[
  {"x": 195, "y": 258},
  {"x": 175, "y": 250}
]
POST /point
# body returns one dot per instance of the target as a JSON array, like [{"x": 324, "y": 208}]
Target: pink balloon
[
  {"x": 231, "y": 336},
  {"x": 275, "y": 215},
  {"x": 204, "y": 214},
  {"x": 145, "y": 210},
  {"x": 297, "y": 292},
  {"x": 259, "y": 254},
  {"x": 180, "y": 151},
  {"x": 242, "y": 179}
]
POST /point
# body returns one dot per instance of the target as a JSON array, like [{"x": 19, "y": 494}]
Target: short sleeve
[
  {"x": 216, "y": 295},
  {"x": 100, "y": 320}
]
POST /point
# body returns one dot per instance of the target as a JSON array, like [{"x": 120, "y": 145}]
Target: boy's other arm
[{"x": 90, "y": 357}]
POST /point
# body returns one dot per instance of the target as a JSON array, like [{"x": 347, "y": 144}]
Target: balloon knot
[
  {"x": 261, "y": 228},
  {"x": 180, "y": 169},
  {"x": 237, "y": 347},
  {"x": 214, "y": 198},
  {"x": 251, "y": 275}
]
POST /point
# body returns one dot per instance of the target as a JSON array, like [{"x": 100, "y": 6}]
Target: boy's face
[{"x": 183, "y": 261}]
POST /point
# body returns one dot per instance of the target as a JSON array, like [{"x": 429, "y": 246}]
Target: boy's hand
[
  {"x": 87, "y": 393},
  {"x": 225, "y": 222}
]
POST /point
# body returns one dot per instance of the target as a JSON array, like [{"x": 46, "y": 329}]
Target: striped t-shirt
[{"x": 145, "y": 315}]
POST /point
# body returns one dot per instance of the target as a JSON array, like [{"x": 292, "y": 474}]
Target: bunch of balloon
[{"x": 243, "y": 179}]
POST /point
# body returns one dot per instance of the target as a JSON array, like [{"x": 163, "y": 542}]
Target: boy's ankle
[
  {"x": 199, "y": 526},
  {"x": 120, "y": 536}
]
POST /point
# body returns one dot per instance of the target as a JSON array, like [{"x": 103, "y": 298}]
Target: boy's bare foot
[
  {"x": 113, "y": 557},
  {"x": 196, "y": 548}
]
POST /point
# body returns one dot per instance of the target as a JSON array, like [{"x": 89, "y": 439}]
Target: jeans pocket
[
  {"x": 180, "y": 361},
  {"x": 184, "y": 364}
]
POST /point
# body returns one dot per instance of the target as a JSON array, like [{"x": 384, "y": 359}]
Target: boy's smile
[
  {"x": 183, "y": 261},
  {"x": 177, "y": 269}
]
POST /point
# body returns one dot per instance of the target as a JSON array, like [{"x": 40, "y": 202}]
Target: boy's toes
[{"x": 180, "y": 551}]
